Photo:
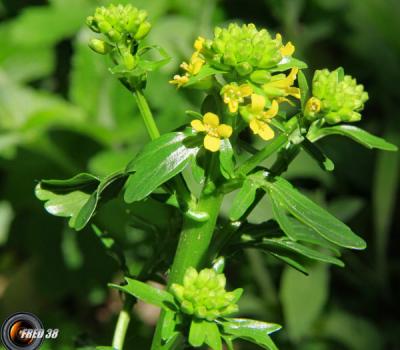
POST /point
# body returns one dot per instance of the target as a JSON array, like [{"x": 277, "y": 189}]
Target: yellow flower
[
  {"x": 194, "y": 65},
  {"x": 234, "y": 94},
  {"x": 281, "y": 86},
  {"x": 313, "y": 106},
  {"x": 286, "y": 50},
  {"x": 179, "y": 80},
  {"x": 213, "y": 129},
  {"x": 198, "y": 44},
  {"x": 259, "y": 118}
]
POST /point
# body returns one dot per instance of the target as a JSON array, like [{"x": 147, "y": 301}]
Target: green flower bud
[
  {"x": 260, "y": 76},
  {"x": 340, "y": 96},
  {"x": 244, "y": 48},
  {"x": 203, "y": 294},
  {"x": 99, "y": 46},
  {"x": 143, "y": 30}
]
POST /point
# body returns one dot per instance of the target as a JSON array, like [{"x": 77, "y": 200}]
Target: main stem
[{"x": 146, "y": 114}]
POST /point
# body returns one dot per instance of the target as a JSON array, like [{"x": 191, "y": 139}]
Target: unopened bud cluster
[
  {"x": 336, "y": 97},
  {"x": 122, "y": 27},
  {"x": 243, "y": 48},
  {"x": 203, "y": 295}
]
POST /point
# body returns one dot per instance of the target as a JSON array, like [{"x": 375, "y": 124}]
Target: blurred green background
[{"x": 61, "y": 113}]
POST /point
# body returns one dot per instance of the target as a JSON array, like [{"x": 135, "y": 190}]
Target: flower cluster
[
  {"x": 251, "y": 82},
  {"x": 336, "y": 97},
  {"x": 122, "y": 27},
  {"x": 203, "y": 295}
]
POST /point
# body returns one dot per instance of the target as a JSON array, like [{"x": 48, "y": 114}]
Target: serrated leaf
[
  {"x": 226, "y": 159},
  {"x": 359, "y": 135},
  {"x": 159, "y": 161},
  {"x": 251, "y": 330},
  {"x": 147, "y": 293},
  {"x": 312, "y": 215}
]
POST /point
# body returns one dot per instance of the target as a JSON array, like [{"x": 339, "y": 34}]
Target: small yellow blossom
[
  {"x": 234, "y": 94},
  {"x": 198, "y": 44},
  {"x": 213, "y": 129},
  {"x": 194, "y": 65},
  {"x": 313, "y": 106},
  {"x": 281, "y": 86},
  {"x": 179, "y": 80},
  {"x": 259, "y": 118},
  {"x": 286, "y": 50}
]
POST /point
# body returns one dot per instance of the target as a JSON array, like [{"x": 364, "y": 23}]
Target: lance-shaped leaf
[
  {"x": 359, "y": 135},
  {"x": 251, "y": 330},
  {"x": 316, "y": 153},
  {"x": 147, "y": 293},
  {"x": 77, "y": 198},
  {"x": 312, "y": 215},
  {"x": 288, "y": 63},
  {"x": 226, "y": 159},
  {"x": 159, "y": 161},
  {"x": 246, "y": 196},
  {"x": 303, "y": 85},
  {"x": 205, "y": 72}
]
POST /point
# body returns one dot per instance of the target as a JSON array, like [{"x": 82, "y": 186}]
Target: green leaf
[
  {"x": 312, "y": 215},
  {"x": 168, "y": 326},
  {"x": 244, "y": 199},
  {"x": 205, "y": 72},
  {"x": 297, "y": 231},
  {"x": 251, "y": 330},
  {"x": 197, "y": 333},
  {"x": 289, "y": 63},
  {"x": 213, "y": 337},
  {"x": 304, "y": 90},
  {"x": 159, "y": 161},
  {"x": 316, "y": 153},
  {"x": 147, "y": 293},
  {"x": 226, "y": 159},
  {"x": 301, "y": 249},
  {"x": 78, "y": 197},
  {"x": 303, "y": 299},
  {"x": 359, "y": 135}
]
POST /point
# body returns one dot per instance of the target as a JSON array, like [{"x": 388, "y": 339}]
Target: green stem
[
  {"x": 122, "y": 324},
  {"x": 260, "y": 156},
  {"x": 147, "y": 116}
]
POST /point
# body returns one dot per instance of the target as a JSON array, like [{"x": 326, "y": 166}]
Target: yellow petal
[
  {"x": 233, "y": 106},
  {"x": 254, "y": 126},
  {"x": 257, "y": 103},
  {"x": 265, "y": 132},
  {"x": 273, "y": 110},
  {"x": 245, "y": 90},
  {"x": 212, "y": 143},
  {"x": 211, "y": 119},
  {"x": 224, "y": 131},
  {"x": 288, "y": 49},
  {"x": 198, "y": 44},
  {"x": 292, "y": 75},
  {"x": 198, "y": 125},
  {"x": 294, "y": 91}
]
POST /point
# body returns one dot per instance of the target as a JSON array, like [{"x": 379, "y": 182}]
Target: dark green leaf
[
  {"x": 243, "y": 200},
  {"x": 158, "y": 162},
  {"x": 301, "y": 249},
  {"x": 251, "y": 330},
  {"x": 312, "y": 215},
  {"x": 303, "y": 85},
  {"x": 316, "y": 153},
  {"x": 147, "y": 293},
  {"x": 359, "y": 135},
  {"x": 226, "y": 159}
]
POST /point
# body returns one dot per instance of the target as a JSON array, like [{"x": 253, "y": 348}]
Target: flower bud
[
  {"x": 313, "y": 106},
  {"x": 143, "y": 30},
  {"x": 99, "y": 46}
]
